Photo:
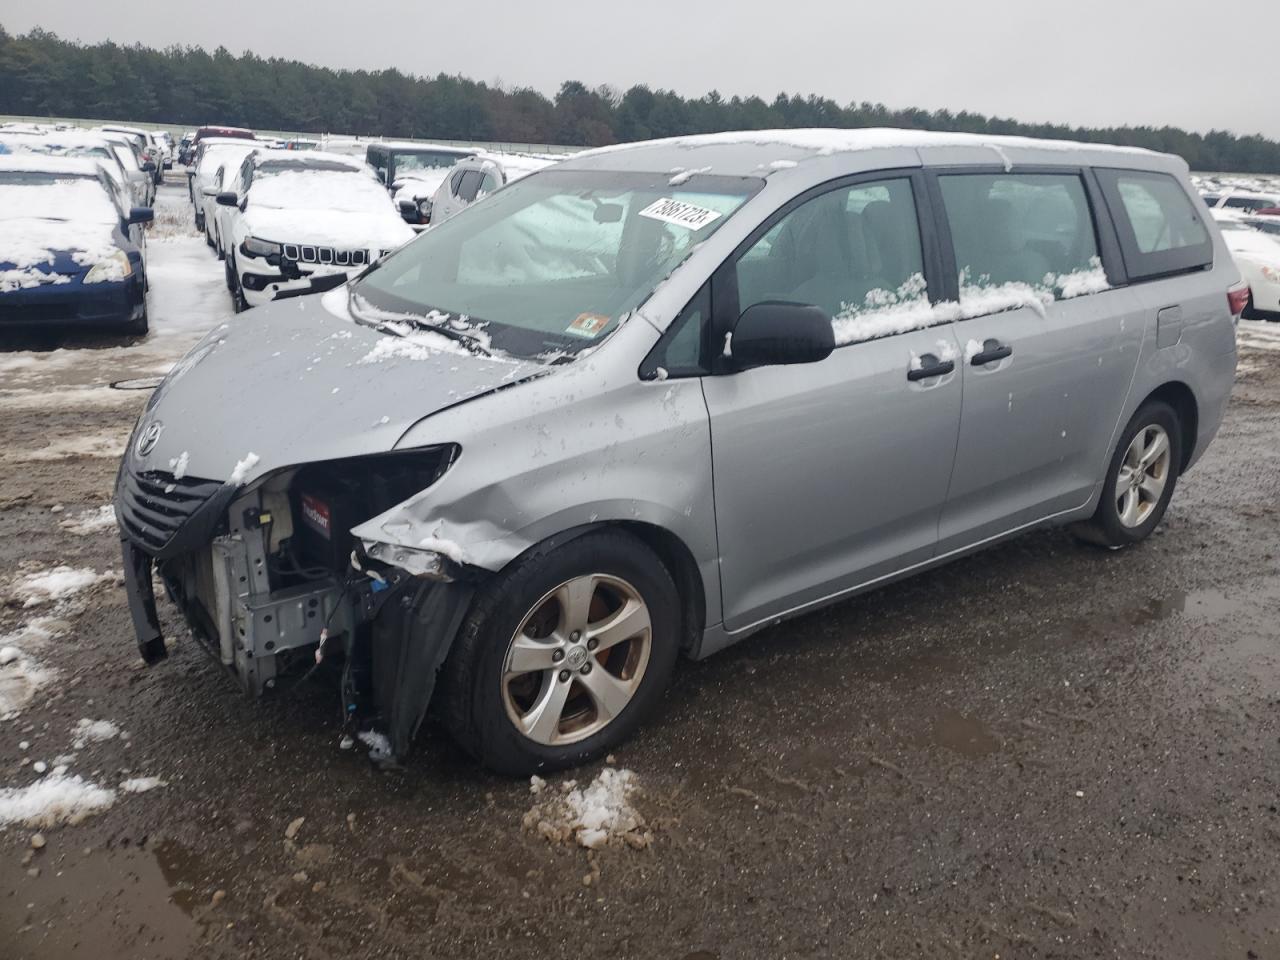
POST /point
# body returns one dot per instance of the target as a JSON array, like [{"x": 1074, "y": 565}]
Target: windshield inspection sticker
[
  {"x": 682, "y": 214},
  {"x": 587, "y": 325}
]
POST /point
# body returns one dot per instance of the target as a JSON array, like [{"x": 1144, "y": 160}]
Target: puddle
[
  {"x": 106, "y": 904},
  {"x": 954, "y": 731}
]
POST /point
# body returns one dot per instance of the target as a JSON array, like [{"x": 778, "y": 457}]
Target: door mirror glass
[
  {"x": 776, "y": 332},
  {"x": 228, "y": 198}
]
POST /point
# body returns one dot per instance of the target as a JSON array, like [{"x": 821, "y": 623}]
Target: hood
[
  {"x": 344, "y": 230},
  {"x": 297, "y": 381},
  {"x": 419, "y": 185},
  {"x": 34, "y": 252}
]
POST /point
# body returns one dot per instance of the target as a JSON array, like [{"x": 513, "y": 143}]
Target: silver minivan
[{"x": 659, "y": 396}]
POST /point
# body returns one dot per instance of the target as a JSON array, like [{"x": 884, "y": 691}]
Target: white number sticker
[{"x": 679, "y": 213}]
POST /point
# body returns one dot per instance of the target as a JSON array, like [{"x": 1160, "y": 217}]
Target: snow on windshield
[{"x": 349, "y": 192}]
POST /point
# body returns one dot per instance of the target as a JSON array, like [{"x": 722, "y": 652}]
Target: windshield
[
  {"x": 42, "y": 195},
  {"x": 553, "y": 263},
  {"x": 424, "y": 161}
]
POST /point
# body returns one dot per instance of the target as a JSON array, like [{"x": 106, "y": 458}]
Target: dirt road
[{"x": 1041, "y": 751}]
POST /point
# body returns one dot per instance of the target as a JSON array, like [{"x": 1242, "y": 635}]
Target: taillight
[{"x": 1238, "y": 299}]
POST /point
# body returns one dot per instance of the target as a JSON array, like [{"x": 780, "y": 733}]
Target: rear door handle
[
  {"x": 930, "y": 366},
  {"x": 992, "y": 350}
]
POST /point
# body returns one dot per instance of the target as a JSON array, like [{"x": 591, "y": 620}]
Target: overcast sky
[{"x": 1094, "y": 62}]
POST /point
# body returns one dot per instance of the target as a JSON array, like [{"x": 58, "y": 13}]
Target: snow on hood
[
  {"x": 298, "y": 381},
  {"x": 61, "y": 226},
  {"x": 349, "y": 210},
  {"x": 420, "y": 184}
]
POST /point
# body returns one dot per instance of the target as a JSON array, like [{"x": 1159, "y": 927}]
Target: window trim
[
  {"x": 725, "y": 310},
  {"x": 1141, "y": 267},
  {"x": 648, "y": 368},
  {"x": 1103, "y": 226}
]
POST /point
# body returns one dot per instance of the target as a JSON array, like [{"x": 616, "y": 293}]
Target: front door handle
[
  {"x": 992, "y": 350},
  {"x": 930, "y": 366}
]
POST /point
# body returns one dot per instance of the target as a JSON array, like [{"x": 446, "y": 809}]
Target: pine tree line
[{"x": 44, "y": 75}]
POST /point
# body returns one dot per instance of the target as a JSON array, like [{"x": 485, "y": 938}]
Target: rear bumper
[{"x": 73, "y": 305}]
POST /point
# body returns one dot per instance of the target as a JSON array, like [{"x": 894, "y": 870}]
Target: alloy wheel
[
  {"x": 1144, "y": 472},
  {"x": 577, "y": 659}
]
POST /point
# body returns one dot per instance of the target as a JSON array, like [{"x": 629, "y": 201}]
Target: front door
[{"x": 833, "y": 474}]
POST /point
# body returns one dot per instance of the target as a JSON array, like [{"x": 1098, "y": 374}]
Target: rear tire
[
  {"x": 592, "y": 701},
  {"x": 1140, "y": 479}
]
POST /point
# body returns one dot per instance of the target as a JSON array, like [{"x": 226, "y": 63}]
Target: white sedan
[{"x": 1257, "y": 254}]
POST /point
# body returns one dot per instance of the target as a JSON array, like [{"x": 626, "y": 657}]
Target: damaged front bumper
[{"x": 211, "y": 546}]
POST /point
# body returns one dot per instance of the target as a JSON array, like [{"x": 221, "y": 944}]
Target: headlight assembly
[
  {"x": 115, "y": 267},
  {"x": 253, "y": 247}
]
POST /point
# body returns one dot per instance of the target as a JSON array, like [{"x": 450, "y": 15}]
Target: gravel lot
[{"x": 1041, "y": 751}]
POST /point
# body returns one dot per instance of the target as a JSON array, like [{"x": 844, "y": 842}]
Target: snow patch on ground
[
  {"x": 91, "y": 521},
  {"x": 51, "y": 586},
  {"x": 53, "y": 800},
  {"x": 93, "y": 731},
  {"x": 592, "y": 816},
  {"x": 142, "y": 784},
  {"x": 107, "y": 446}
]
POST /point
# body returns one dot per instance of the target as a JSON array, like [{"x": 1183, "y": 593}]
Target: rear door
[
  {"x": 1049, "y": 346},
  {"x": 833, "y": 474}
]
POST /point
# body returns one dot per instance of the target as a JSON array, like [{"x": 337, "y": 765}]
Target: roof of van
[
  {"x": 757, "y": 152},
  {"x": 406, "y": 145}
]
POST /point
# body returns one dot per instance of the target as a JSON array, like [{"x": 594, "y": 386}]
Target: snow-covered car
[
  {"x": 478, "y": 175},
  {"x": 414, "y": 193},
  {"x": 393, "y": 161},
  {"x": 1257, "y": 254},
  {"x": 1246, "y": 201},
  {"x": 142, "y": 185},
  {"x": 150, "y": 149},
  {"x": 300, "y": 223},
  {"x": 168, "y": 150},
  {"x": 71, "y": 246},
  {"x": 210, "y": 155},
  {"x": 72, "y": 143}
]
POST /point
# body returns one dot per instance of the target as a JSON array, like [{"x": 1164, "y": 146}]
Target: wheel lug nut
[
  {"x": 557, "y": 655},
  {"x": 564, "y": 676},
  {"x": 575, "y": 636},
  {"x": 592, "y": 643},
  {"x": 586, "y": 668}
]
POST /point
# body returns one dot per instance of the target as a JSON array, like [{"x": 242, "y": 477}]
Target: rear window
[{"x": 1161, "y": 230}]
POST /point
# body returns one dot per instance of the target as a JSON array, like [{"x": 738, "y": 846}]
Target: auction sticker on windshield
[
  {"x": 588, "y": 325},
  {"x": 687, "y": 215}
]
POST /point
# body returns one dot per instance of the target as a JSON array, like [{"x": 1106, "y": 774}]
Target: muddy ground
[{"x": 1041, "y": 751}]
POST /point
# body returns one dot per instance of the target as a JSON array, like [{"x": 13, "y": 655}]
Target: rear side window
[
  {"x": 469, "y": 186},
  {"x": 1021, "y": 236},
  {"x": 1161, "y": 230}
]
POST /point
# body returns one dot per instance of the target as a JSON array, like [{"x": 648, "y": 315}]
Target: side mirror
[
  {"x": 148, "y": 166},
  {"x": 227, "y": 198},
  {"x": 776, "y": 332},
  {"x": 141, "y": 215}
]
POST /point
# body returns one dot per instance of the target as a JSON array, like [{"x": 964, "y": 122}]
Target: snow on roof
[
  {"x": 820, "y": 142},
  {"x": 412, "y": 145},
  {"x": 517, "y": 165},
  {"x": 307, "y": 159},
  {"x": 302, "y": 189}
]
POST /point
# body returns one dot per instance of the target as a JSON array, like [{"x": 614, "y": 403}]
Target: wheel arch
[{"x": 1183, "y": 400}]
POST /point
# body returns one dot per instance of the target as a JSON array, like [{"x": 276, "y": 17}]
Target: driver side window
[{"x": 854, "y": 252}]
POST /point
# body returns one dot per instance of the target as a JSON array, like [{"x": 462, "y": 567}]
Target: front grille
[
  {"x": 153, "y": 506},
  {"x": 50, "y": 309},
  {"x": 306, "y": 253}
]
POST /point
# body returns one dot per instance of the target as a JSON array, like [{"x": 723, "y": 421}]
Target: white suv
[{"x": 301, "y": 222}]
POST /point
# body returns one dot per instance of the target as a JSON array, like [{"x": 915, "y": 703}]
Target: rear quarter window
[{"x": 1161, "y": 230}]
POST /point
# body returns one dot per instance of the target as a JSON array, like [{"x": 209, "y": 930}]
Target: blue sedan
[{"x": 72, "y": 249}]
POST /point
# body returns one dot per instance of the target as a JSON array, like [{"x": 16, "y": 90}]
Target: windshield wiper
[{"x": 387, "y": 326}]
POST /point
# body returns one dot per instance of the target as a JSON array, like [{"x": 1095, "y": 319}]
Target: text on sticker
[{"x": 687, "y": 215}]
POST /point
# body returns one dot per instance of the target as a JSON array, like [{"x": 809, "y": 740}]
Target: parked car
[
  {"x": 475, "y": 177},
  {"x": 1247, "y": 200},
  {"x": 211, "y": 154},
  {"x": 660, "y": 396},
  {"x": 1257, "y": 254},
  {"x": 394, "y": 161},
  {"x": 70, "y": 252},
  {"x": 185, "y": 149},
  {"x": 148, "y": 149},
  {"x": 138, "y": 171},
  {"x": 76, "y": 143},
  {"x": 302, "y": 222},
  {"x": 168, "y": 151}
]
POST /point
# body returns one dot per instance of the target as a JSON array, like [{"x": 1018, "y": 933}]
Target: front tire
[
  {"x": 1140, "y": 479},
  {"x": 563, "y": 655}
]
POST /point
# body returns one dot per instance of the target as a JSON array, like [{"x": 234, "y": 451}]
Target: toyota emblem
[{"x": 148, "y": 437}]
